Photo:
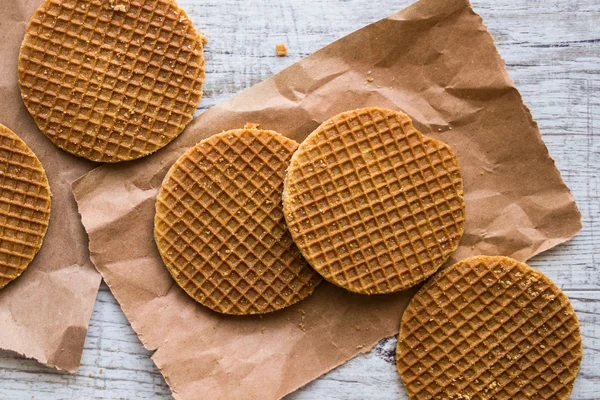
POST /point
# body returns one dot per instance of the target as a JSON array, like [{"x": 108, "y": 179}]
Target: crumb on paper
[
  {"x": 281, "y": 50},
  {"x": 90, "y": 375},
  {"x": 301, "y": 324},
  {"x": 262, "y": 330},
  {"x": 360, "y": 346},
  {"x": 357, "y": 327},
  {"x": 251, "y": 125},
  {"x": 100, "y": 370},
  {"x": 369, "y": 79},
  {"x": 481, "y": 172},
  {"x": 473, "y": 247}
]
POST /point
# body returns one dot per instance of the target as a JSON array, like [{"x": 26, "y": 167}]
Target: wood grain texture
[{"x": 552, "y": 51}]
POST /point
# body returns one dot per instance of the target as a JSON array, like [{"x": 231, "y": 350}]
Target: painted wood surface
[{"x": 552, "y": 51}]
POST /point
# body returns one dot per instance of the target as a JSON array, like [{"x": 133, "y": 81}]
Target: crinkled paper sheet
[
  {"x": 44, "y": 314},
  {"x": 434, "y": 60}
]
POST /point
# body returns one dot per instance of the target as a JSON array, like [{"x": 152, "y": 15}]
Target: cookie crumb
[
  {"x": 118, "y": 7},
  {"x": 281, "y": 50},
  {"x": 251, "y": 125},
  {"x": 302, "y": 319},
  {"x": 369, "y": 79}
]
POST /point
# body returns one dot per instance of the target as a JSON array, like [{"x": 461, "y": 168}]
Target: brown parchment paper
[
  {"x": 44, "y": 314},
  {"x": 436, "y": 61}
]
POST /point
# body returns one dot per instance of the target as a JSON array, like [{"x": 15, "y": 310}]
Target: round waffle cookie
[
  {"x": 24, "y": 205},
  {"x": 111, "y": 80},
  {"x": 220, "y": 229},
  {"x": 374, "y": 206},
  {"x": 489, "y": 328}
]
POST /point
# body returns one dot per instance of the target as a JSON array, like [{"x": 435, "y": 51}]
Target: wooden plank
[{"x": 552, "y": 52}]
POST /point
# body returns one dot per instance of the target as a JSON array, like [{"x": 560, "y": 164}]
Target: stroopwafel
[
  {"x": 24, "y": 205},
  {"x": 373, "y": 205},
  {"x": 220, "y": 228},
  {"x": 489, "y": 328},
  {"x": 111, "y": 80}
]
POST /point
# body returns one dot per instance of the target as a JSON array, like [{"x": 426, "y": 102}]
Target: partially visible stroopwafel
[
  {"x": 111, "y": 80},
  {"x": 24, "y": 205},
  {"x": 489, "y": 328},
  {"x": 220, "y": 228},
  {"x": 373, "y": 205}
]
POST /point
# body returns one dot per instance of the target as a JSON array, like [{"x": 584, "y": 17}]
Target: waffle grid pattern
[
  {"x": 374, "y": 205},
  {"x": 220, "y": 229},
  {"x": 24, "y": 206},
  {"x": 111, "y": 80},
  {"x": 489, "y": 328}
]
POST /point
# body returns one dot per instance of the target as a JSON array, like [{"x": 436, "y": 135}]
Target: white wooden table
[{"x": 552, "y": 51}]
